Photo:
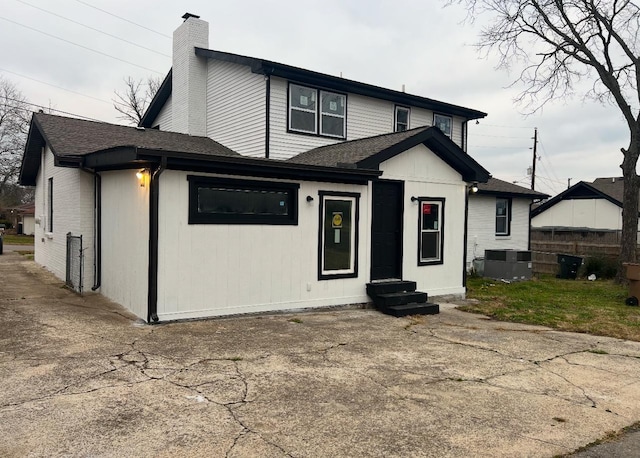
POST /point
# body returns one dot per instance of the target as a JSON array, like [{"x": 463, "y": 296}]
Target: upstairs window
[
  {"x": 503, "y": 216},
  {"x": 328, "y": 117},
  {"x": 402, "y": 119},
  {"x": 443, "y": 123}
]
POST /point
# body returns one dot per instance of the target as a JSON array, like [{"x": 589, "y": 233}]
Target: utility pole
[{"x": 533, "y": 167}]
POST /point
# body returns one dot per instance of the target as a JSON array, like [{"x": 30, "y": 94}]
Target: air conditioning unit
[{"x": 512, "y": 265}]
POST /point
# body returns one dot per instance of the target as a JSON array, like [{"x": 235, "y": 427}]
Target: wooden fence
[{"x": 545, "y": 254}]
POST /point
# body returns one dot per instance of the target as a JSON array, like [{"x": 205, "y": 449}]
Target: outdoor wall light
[
  {"x": 414, "y": 199},
  {"x": 309, "y": 199},
  {"x": 140, "y": 175},
  {"x": 473, "y": 188}
]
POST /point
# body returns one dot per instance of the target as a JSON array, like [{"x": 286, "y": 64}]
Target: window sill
[
  {"x": 311, "y": 134},
  {"x": 503, "y": 237}
]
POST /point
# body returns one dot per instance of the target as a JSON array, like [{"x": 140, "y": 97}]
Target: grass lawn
[
  {"x": 10, "y": 239},
  {"x": 569, "y": 305}
]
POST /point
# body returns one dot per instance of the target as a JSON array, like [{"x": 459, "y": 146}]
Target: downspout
[
  {"x": 97, "y": 227},
  {"x": 466, "y": 232},
  {"x": 268, "y": 109},
  {"x": 152, "y": 294}
]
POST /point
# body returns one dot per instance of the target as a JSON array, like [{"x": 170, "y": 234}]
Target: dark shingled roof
[
  {"x": 612, "y": 187},
  {"x": 370, "y": 152},
  {"x": 495, "y": 186},
  {"x": 78, "y": 137},
  {"x": 353, "y": 151}
]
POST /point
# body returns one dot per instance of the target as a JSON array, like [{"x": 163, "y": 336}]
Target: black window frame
[
  {"x": 507, "y": 217},
  {"x": 198, "y": 181},
  {"x": 50, "y": 202},
  {"x": 450, "y": 134},
  {"x": 440, "y": 201},
  {"x": 318, "y": 112},
  {"x": 322, "y": 274},
  {"x": 395, "y": 117}
]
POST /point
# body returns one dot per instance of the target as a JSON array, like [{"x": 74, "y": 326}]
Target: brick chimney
[{"x": 189, "y": 91}]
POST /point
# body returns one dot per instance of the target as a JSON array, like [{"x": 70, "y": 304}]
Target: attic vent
[{"x": 613, "y": 180}]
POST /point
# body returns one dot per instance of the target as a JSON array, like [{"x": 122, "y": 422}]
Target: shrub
[
  {"x": 599, "y": 265},
  {"x": 7, "y": 223}
]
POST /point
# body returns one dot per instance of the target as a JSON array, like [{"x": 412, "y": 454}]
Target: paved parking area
[{"x": 80, "y": 377}]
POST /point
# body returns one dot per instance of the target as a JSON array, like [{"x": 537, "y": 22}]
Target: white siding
[
  {"x": 481, "y": 233},
  {"x": 220, "y": 269},
  {"x": 426, "y": 175},
  {"x": 28, "y": 225},
  {"x": 72, "y": 212},
  {"x": 236, "y": 107},
  {"x": 125, "y": 240},
  {"x": 163, "y": 120},
  {"x": 366, "y": 117},
  {"x": 591, "y": 213}
]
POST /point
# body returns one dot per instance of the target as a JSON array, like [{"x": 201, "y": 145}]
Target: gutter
[{"x": 152, "y": 292}]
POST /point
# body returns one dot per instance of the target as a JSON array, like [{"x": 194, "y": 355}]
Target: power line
[
  {"x": 50, "y": 109},
  {"x": 53, "y": 85},
  {"x": 93, "y": 28},
  {"x": 80, "y": 46},
  {"x": 497, "y": 136},
  {"x": 123, "y": 19},
  {"x": 496, "y": 125}
]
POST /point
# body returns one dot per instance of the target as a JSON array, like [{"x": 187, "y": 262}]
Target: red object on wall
[{"x": 426, "y": 209}]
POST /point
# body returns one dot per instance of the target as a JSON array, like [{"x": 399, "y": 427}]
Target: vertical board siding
[
  {"x": 125, "y": 240},
  {"x": 236, "y": 107},
  {"x": 590, "y": 213},
  {"x": 221, "y": 269},
  {"x": 72, "y": 212},
  {"x": 426, "y": 175},
  {"x": 481, "y": 234}
]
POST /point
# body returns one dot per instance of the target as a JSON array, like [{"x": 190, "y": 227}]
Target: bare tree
[
  {"x": 133, "y": 102},
  {"x": 14, "y": 125},
  {"x": 564, "y": 43}
]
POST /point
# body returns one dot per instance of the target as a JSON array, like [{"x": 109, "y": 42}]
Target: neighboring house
[
  {"x": 175, "y": 225},
  {"x": 499, "y": 218},
  {"x": 23, "y": 218},
  {"x": 595, "y": 207}
]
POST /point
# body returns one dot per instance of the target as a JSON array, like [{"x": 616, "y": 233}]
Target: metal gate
[{"x": 75, "y": 261}]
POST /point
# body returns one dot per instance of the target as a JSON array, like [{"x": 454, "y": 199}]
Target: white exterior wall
[
  {"x": 72, "y": 212},
  {"x": 366, "y": 117},
  {"x": 591, "y": 213},
  {"x": 28, "y": 225},
  {"x": 163, "y": 120},
  {"x": 426, "y": 175},
  {"x": 125, "y": 240},
  {"x": 219, "y": 269},
  {"x": 236, "y": 107},
  {"x": 481, "y": 232}
]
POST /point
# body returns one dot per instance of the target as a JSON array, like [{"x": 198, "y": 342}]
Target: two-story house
[{"x": 257, "y": 186}]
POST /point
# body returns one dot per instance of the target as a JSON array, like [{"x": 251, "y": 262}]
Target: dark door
[{"x": 386, "y": 230}]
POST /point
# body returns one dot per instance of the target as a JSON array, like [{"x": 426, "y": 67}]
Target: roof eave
[{"x": 158, "y": 101}]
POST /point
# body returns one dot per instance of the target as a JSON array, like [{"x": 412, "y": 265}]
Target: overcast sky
[{"x": 68, "y": 61}]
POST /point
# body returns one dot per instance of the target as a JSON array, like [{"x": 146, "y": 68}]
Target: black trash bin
[
  {"x": 0, "y": 243},
  {"x": 569, "y": 266}
]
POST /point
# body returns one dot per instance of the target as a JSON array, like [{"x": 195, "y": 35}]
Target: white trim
[
  {"x": 438, "y": 231},
  {"x": 395, "y": 118},
  {"x": 332, "y": 115}
]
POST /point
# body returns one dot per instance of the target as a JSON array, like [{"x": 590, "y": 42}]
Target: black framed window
[
  {"x": 230, "y": 201},
  {"x": 338, "y": 235},
  {"x": 503, "y": 216},
  {"x": 430, "y": 230},
  {"x": 402, "y": 115},
  {"x": 317, "y": 112},
  {"x": 444, "y": 123},
  {"x": 50, "y": 205}
]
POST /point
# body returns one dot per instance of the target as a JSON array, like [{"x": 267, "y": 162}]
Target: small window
[
  {"x": 503, "y": 216},
  {"x": 402, "y": 119},
  {"x": 50, "y": 209},
  {"x": 317, "y": 112},
  {"x": 338, "y": 243},
  {"x": 227, "y": 201},
  {"x": 430, "y": 228},
  {"x": 443, "y": 123}
]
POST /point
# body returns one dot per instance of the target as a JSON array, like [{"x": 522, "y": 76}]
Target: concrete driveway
[{"x": 80, "y": 377}]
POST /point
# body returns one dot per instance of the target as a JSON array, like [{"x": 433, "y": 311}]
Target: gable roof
[
  {"x": 103, "y": 146},
  {"x": 503, "y": 188},
  {"x": 301, "y": 75},
  {"x": 610, "y": 189},
  {"x": 370, "y": 152}
]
